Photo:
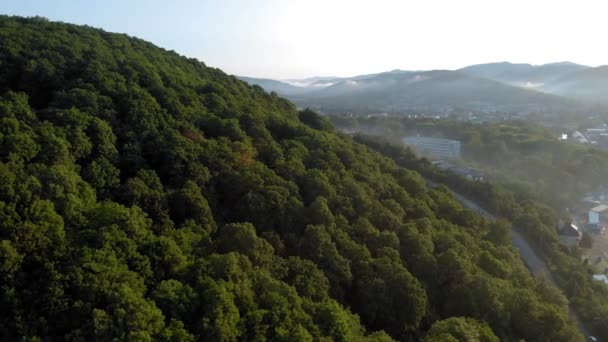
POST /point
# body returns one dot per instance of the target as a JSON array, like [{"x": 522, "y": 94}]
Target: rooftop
[
  {"x": 601, "y": 277},
  {"x": 570, "y": 230},
  {"x": 600, "y": 208}
]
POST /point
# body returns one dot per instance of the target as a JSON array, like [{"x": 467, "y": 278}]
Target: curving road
[{"x": 537, "y": 266}]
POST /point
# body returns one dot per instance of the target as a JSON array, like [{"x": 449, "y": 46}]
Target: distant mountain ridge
[
  {"x": 492, "y": 87},
  {"x": 565, "y": 78},
  {"x": 523, "y": 75},
  {"x": 438, "y": 90},
  {"x": 589, "y": 84},
  {"x": 270, "y": 85}
]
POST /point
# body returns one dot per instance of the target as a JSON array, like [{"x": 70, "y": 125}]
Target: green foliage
[
  {"x": 537, "y": 222},
  {"x": 500, "y": 233},
  {"x": 522, "y": 155},
  {"x": 462, "y": 330},
  {"x": 315, "y": 121},
  {"x": 145, "y": 196}
]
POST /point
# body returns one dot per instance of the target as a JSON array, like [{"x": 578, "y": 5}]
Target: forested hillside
[
  {"x": 525, "y": 156},
  {"x": 145, "y": 196},
  {"x": 532, "y": 218}
]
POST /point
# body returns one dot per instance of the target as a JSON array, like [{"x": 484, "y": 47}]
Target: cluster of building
[
  {"x": 570, "y": 235},
  {"x": 595, "y": 206},
  {"x": 591, "y": 214},
  {"x": 597, "y": 136},
  {"x": 443, "y": 150},
  {"x": 595, "y": 220}
]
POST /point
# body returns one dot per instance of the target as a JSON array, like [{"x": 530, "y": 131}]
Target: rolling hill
[
  {"x": 523, "y": 75},
  {"x": 278, "y": 87},
  {"x": 438, "y": 90},
  {"x": 588, "y": 84}
]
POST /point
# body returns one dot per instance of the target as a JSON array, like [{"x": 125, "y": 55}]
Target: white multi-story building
[{"x": 436, "y": 147}]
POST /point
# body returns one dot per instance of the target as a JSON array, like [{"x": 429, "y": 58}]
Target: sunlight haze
[{"x": 292, "y": 39}]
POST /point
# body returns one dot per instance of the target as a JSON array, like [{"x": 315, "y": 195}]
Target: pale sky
[{"x": 300, "y": 38}]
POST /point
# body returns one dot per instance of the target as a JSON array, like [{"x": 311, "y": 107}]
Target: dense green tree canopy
[
  {"x": 534, "y": 220},
  {"x": 145, "y": 196}
]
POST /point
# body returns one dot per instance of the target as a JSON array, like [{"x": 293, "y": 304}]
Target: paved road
[{"x": 537, "y": 266}]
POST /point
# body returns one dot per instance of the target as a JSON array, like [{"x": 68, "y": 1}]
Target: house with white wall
[{"x": 598, "y": 214}]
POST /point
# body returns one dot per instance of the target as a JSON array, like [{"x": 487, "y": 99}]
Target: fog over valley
[{"x": 555, "y": 88}]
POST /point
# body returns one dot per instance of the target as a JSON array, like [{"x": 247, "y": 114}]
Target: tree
[
  {"x": 189, "y": 203},
  {"x": 315, "y": 121},
  {"x": 462, "y": 329},
  {"x": 390, "y": 294},
  {"x": 242, "y": 238},
  {"x": 220, "y": 315},
  {"x": 500, "y": 233},
  {"x": 146, "y": 191}
]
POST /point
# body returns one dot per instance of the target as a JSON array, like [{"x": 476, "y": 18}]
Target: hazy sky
[{"x": 298, "y": 38}]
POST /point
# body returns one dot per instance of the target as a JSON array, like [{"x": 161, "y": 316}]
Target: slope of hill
[
  {"x": 430, "y": 90},
  {"x": 554, "y": 88},
  {"x": 278, "y": 87},
  {"x": 588, "y": 84},
  {"x": 523, "y": 75},
  {"x": 145, "y": 196},
  {"x": 313, "y": 81},
  {"x": 324, "y": 82},
  {"x": 306, "y": 85},
  {"x": 493, "y": 71}
]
